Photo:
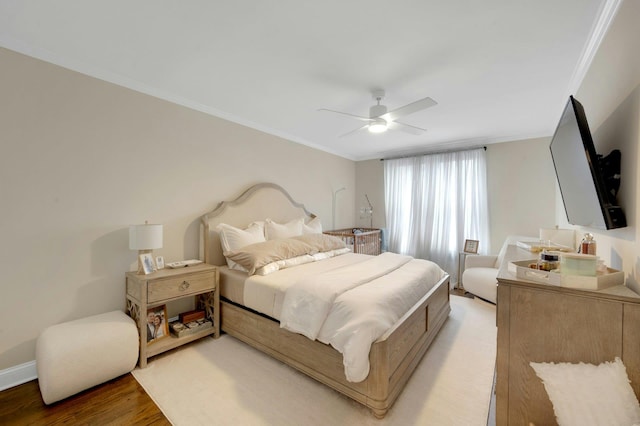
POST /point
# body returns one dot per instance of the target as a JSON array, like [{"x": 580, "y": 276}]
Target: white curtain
[{"x": 434, "y": 203}]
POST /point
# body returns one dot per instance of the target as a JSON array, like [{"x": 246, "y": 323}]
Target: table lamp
[{"x": 144, "y": 238}]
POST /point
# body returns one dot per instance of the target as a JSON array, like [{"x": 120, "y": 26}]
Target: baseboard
[{"x": 18, "y": 375}]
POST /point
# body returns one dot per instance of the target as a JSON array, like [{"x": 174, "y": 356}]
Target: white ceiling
[{"x": 500, "y": 70}]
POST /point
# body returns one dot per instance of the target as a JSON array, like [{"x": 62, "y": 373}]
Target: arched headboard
[{"x": 259, "y": 202}]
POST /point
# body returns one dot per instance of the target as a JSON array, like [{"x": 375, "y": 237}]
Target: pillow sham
[
  {"x": 232, "y": 239},
  {"x": 272, "y": 267},
  {"x": 321, "y": 242},
  {"x": 275, "y": 231},
  {"x": 257, "y": 255},
  {"x": 587, "y": 394},
  {"x": 295, "y": 261},
  {"x": 267, "y": 269},
  {"x": 331, "y": 253},
  {"x": 314, "y": 226}
]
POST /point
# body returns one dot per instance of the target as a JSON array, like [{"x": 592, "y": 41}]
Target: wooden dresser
[{"x": 545, "y": 323}]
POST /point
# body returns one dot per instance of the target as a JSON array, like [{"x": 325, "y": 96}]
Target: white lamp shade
[{"x": 145, "y": 237}]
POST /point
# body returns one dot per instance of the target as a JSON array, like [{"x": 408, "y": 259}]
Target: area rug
[{"x": 226, "y": 382}]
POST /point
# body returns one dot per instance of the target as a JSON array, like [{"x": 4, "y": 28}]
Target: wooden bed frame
[{"x": 393, "y": 357}]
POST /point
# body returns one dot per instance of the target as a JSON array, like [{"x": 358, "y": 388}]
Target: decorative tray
[{"x": 609, "y": 278}]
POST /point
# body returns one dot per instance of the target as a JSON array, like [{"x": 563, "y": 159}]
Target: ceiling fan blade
[
  {"x": 355, "y": 131},
  {"x": 409, "y": 109},
  {"x": 407, "y": 128},
  {"x": 357, "y": 117}
]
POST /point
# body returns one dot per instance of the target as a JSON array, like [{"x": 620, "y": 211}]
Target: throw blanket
[{"x": 351, "y": 307}]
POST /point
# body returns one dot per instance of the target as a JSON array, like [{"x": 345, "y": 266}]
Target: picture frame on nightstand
[
  {"x": 159, "y": 262},
  {"x": 471, "y": 246},
  {"x": 157, "y": 325},
  {"x": 147, "y": 262}
]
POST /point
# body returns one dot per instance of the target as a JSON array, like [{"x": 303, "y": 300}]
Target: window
[{"x": 434, "y": 203}]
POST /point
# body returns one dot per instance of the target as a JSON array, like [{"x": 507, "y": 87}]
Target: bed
[{"x": 392, "y": 357}]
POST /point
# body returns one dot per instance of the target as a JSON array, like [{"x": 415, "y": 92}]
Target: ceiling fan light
[{"x": 378, "y": 126}]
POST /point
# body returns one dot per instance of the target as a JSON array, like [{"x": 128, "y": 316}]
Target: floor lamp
[{"x": 333, "y": 207}]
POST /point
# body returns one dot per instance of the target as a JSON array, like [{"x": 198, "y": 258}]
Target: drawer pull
[{"x": 185, "y": 285}]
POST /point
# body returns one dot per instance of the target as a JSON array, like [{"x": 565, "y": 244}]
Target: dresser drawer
[{"x": 167, "y": 288}]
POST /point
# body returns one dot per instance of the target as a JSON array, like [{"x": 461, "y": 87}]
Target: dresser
[{"x": 545, "y": 323}]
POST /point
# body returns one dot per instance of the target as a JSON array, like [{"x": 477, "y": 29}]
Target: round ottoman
[{"x": 76, "y": 355}]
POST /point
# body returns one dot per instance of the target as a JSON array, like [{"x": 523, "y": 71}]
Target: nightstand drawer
[{"x": 168, "y": 288}]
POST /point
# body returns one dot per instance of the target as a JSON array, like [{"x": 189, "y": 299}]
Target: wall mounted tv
[{"x": 588, "y": 182}]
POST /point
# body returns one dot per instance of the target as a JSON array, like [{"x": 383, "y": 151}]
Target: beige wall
[
  {"x": 370, "y": 181},
  {"x": 83, "y": 159},
  {"x": 521, "y": 189},
  {"x": 610, "y": 94}
]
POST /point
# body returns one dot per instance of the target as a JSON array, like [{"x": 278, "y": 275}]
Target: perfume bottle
[{"x": 588, "y": 244}]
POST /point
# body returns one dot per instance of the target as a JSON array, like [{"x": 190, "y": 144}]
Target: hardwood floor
[{"x": 121, "y": 401}]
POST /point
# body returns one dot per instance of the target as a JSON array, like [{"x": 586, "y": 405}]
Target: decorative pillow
[
  {"x": 232, "y": 239},
  {"x": 338, "y": 252},
  {"x": 331, "y": 253},
  {"x": 275, "y": 231},
  {"x": 313, "y": 227},
  {"x": 322, "y": 242},
  {"x": 272, "y": 267},
  {"x": 295, "y": 261},
  {"x": 587, "y": 394},
  {"x": 257, "y": 255},
  {"x": 267, "y": 269}
]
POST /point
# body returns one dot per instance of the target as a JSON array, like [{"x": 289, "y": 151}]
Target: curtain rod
[{"x": 435, "y": 152}]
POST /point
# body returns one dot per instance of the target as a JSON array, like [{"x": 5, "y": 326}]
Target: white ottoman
[{"x": 76, "y": 355}]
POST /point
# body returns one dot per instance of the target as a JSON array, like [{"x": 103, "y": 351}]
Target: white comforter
[{"x": 351, "y": 307}]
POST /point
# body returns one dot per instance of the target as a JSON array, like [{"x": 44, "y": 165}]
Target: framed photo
[
  {"x": 471, "y": 246},
  {"x": 160, "y": 262},
  {"x": 148, "y": 265},
  {"x": 157, "y": 327}
]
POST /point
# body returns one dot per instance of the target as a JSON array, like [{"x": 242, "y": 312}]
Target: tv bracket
[{"x": 610, "y": 168}]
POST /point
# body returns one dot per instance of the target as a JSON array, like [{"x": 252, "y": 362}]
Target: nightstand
[{"x": 166, "y": 285}]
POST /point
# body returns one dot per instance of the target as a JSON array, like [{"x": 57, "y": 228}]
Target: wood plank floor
[{"x": 121, "y": 401}]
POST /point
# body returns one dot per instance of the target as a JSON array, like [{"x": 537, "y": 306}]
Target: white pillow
[
  {"x": 331, "y": 253},
  {"x": 313, "y": 227},
  {"x": 295, "y": 261},
  {"x": 587, "y": 394},
  {"x": 275, "y": 231},
  {"x": 233, "y": 239},
  {"x": 268, "y": 269}
]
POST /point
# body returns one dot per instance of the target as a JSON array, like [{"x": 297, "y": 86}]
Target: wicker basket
[{"x": 359, "y": 240}]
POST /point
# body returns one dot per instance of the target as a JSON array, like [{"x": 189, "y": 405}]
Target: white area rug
[{"x": 226, "y": 382}]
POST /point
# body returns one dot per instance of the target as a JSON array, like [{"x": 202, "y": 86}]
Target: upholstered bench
[{"x": 76, "y": 355}]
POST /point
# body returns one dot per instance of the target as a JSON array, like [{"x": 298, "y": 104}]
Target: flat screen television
[{"x": 588, "y": 182}]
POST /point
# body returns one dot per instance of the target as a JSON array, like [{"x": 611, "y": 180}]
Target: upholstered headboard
[{"x": 259, "y": 202}]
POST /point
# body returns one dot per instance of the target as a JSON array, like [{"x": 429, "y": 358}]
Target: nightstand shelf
[{"x": 167, "y": 285}]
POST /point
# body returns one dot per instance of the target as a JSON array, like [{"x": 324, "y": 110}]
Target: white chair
[{"x": 479, "y": 276}]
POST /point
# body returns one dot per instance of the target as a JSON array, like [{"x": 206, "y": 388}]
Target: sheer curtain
[{"x": 434, "y": 202}]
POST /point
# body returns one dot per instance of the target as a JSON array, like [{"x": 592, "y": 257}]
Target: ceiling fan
[{"x": 380, "y": 120}]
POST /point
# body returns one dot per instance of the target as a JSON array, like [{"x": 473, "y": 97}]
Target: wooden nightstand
[{"x": 166, "y": 285}]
